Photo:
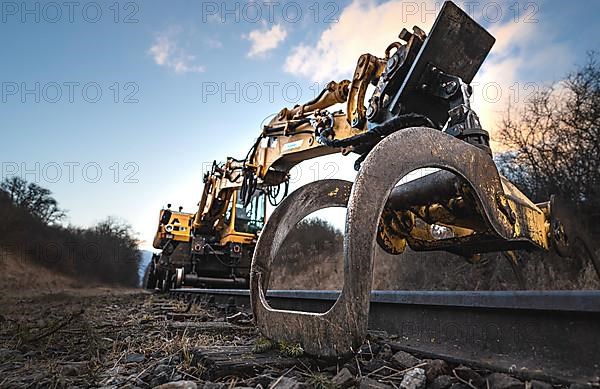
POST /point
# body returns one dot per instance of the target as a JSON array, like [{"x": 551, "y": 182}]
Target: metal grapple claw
[{"x": 342, "y": 328}]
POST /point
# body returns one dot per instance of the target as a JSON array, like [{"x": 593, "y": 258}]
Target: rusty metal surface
[
  {"x": 340, "y": 330},
  {"x": 550, "y": 335},
  {"x": 314, "y": 331}
]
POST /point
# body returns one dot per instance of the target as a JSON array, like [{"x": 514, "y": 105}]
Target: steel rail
[{"x": 548, "y": 335}]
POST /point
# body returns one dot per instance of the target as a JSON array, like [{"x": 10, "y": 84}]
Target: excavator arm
[
  {"x": 219, "y": 185},
  {"x": 310, "y": 130}
]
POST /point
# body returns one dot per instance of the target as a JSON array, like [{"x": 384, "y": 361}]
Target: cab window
[{"x": 250, "y": 218}]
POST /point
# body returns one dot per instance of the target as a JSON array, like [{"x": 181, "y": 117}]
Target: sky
[{"x": 118, "y": 107}]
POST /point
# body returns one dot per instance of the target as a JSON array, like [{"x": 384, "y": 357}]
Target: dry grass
[
  {"x": 434, "y": 271},
  {"x": 107, "y": 339}
]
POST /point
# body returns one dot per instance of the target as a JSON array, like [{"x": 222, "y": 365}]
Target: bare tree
[
  {"x": 118, "y": 229},
  {"x": 555, "y": 140},
  {"x": 36, "y": 200}
]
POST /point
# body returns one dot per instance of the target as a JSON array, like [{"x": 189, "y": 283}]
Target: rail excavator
[
  {"x": 212, "y": 247},
  {"x": 172, "y": 238},
  {"x": 418, "y": 116}
]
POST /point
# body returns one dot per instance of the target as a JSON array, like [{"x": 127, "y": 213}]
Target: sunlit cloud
[
  {"x": 363, "y": 27},
  {"x": 521, "y": 48},
  {"x": 265, "y": 40}
]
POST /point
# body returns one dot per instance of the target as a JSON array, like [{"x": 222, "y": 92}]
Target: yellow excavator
[
  {"x": 172, "y": 238},
  {"x": 418, "y": 117},
  {"x": 225, "y": 229},
  {"x": 212, "y": 247}
]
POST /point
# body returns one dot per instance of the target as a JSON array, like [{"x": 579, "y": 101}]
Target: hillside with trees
[{"x": 32, "y": 231}]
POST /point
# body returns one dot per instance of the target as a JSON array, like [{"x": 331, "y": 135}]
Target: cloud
[
  {"x": 214, "y": 43},
  {"x": 525, "y": 58},
  {"x": 263, "y": 41},
  {"x": 363, "y": 27},
  {"x": 167, "y": 52}
]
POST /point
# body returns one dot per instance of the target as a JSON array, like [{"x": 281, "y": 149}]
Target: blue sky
[{"x": 162, "y": 67}]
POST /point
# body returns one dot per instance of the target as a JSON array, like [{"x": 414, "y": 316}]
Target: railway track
[{"x": 552, "y": 336}]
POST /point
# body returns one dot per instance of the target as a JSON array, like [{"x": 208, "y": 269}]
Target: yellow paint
[{"x": 181, "y": 222}]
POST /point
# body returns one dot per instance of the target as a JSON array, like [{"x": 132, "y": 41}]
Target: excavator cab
[
  {"x": 249, "y": 218},
  {"x": 225, "y": 232}
]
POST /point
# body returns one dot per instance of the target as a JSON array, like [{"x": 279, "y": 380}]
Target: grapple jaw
[
  {"x": 338, "y": 331},
  {"x": 341, "y": 329}
]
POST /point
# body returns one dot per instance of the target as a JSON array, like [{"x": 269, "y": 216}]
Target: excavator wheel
[
  {"x": 150, "y": 280},
  {"x": 166, "y": 281},
  {"x": 178, "y": 277},
  {"x": 340, "y": 330}
]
